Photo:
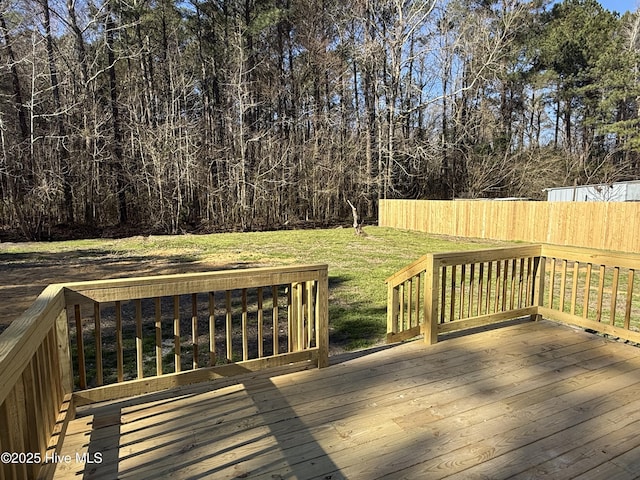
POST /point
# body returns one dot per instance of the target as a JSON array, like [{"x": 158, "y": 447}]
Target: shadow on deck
[{"x": 528, "y": 400}]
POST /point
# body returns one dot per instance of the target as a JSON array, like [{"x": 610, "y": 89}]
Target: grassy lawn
[{"x": 358, "y": 266}]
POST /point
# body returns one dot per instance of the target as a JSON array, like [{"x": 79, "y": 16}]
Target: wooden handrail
[
  {"x": 409, "y": 271},
  {"x": 467, "y": 257},
  {"x": 27, "y": 331},
  {"x": 590, "y": 255},
  {"x": 181, "y": 284}
]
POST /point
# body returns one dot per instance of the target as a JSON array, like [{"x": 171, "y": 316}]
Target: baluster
[
  {"x": 574, "y": 291},
  {"x": 274, "y": 315},
  {"x": 600, "y": 294},
  {"x": 139, "y": 352},
  {"x": 463, "y": 271},
  {"x": 229, "y": 326},
  {"x": 409, "y": 303},
  {"x": 489, "y": 287},
  {"x": 512, "y": 288},
  {"x": 563, "y": 284},
  {"x": 82, "y": 369},
  {"x": 528, "y": 294},
  {"x": 401, "y": 313},
  {"x": 443, "y": 294},
  {"x": 614, "y": 294},
  {"x": 260, "y": 320},
  {"x": 158, "y": 330},
  {"x": 627, "y": 312},
  {"x": 498, "y": 286},
  {"x": 119, "y": 343},
  {"x": 472, "y": 279},
  {"x": 245, "y": 327},
  {"x": 212, "y": 330},
  {"x": 480, "y": 288},
  {"x": 452, "y": 306},
  {"x": 177, "y": 358},
  {"x": 521, "y": 283},
  {"x": 310, "y": 324},
  {"x": 552, "y": 280},
  {"x": 194, "y": 329},
  {"x": 505, "y": 277},
  {"x": 417, "y": 302},
  {"x": 98, "y": 342}
]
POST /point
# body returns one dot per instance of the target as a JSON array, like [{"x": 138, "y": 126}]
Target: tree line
[{"x": 211, "y": 115}]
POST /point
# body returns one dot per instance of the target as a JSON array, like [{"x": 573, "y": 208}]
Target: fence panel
[{"x": 598, "y": 225}]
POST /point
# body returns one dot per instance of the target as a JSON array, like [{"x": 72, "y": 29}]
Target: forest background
[{"x": 214, "y": 115}]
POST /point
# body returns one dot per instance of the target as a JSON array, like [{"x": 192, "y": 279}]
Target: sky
[{"x": 620, "y": 6}]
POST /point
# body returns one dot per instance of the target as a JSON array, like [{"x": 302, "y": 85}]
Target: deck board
[{"x": 528, "y": 400}]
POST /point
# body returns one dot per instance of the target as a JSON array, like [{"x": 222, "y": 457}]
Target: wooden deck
[{"x": 528, "y": 400}]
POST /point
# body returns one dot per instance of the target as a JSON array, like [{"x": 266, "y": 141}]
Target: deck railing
[
  {"x": 447, "y": 291},
  {"x": 443, "y": 292},
  {"x": 35, "y": 393},
  {"x": 94, "y": 341},
  {"x": 593, "y": 289}
]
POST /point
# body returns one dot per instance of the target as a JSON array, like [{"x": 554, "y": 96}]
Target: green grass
[{"x": 358, "y": 266}]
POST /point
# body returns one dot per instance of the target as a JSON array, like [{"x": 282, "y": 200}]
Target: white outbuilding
[{"x": 601, "y": 192}]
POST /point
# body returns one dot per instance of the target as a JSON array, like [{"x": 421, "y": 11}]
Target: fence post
[{"x": 431, "y": 296}]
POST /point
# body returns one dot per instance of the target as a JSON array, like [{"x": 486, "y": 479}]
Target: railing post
[
  {"x": 431, "y": 297},
  {"x": 64, "y": 352},
  {"x": 322, "y": 317}
]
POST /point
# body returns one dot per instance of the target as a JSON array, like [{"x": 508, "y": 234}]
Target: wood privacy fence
[
  {"x": 92, "y": 341},
  {"x": 442, "y": 292},
  {"x": 599, "y": 225}
]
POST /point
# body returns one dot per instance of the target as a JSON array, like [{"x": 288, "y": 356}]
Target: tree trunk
[
  {"x": 117, "y": 150},
  {"x": 63, "y": 153}
]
